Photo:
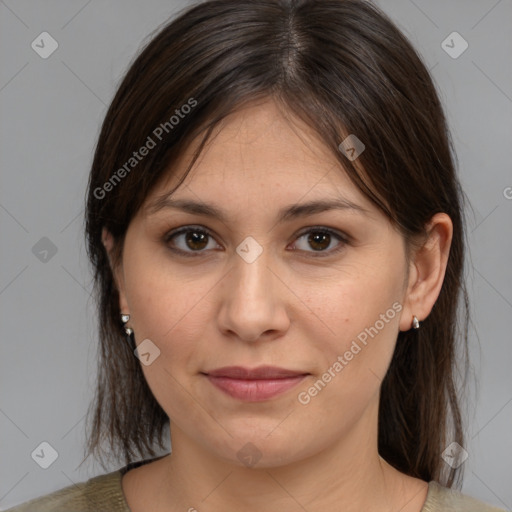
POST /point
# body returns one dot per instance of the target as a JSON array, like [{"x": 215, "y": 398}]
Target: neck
[{"x": 349, "y": 475}]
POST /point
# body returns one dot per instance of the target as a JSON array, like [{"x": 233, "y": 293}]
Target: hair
[{"x": 342, "y": 67}]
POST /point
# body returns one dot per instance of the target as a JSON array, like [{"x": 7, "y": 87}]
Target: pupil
[
  {"x": 317, "y": 239},
  {"x": 194, "y": 238}
]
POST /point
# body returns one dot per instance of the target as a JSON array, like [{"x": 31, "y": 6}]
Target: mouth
[{"x": 254, "y": 385}]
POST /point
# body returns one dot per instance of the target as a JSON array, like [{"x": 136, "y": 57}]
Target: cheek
[
  {"x": 169, "y": 311},
  {"x": 354, "y": 362},
  {"x": 162, "y": 300},
  {"x": 357, "y": 319},
  {"x": 347, "y": 304}
]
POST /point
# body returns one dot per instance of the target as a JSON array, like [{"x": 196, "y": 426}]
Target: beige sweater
[{"x": 105, "y": 494}]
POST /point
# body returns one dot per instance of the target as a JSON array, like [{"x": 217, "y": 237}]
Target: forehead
[{"x": 257, "y": 157}]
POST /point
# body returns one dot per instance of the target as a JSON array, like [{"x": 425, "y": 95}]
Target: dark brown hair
[{"x": 344, "y": 68}]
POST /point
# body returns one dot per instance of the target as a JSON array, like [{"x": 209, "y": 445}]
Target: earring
[
  {"x": 415, "y": 322},
  {"x": 128, "y": 330}
]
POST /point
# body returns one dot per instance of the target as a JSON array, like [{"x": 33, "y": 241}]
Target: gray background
[{"x": 51, "y": 110}]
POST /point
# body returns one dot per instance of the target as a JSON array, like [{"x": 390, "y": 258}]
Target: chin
[{"x": 264, "y": 451}]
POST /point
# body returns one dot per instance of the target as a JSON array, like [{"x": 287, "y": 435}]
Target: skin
[{"x": 288, "y": 308}]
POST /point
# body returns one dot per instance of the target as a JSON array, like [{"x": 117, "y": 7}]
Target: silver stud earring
[
  {"x": 415, "y": 322},
  {"x": 125, "y": 318}
]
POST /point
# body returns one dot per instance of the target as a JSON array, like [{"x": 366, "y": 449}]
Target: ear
[
  {"x": 117, "y": 271},
  {"x": 427, "y": 270}
]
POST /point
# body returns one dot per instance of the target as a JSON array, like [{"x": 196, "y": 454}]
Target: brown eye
[
  {"x": 190, "y": 240},
  {"x": 321, "y": 241},
  {"x": 196, "y": 240}
]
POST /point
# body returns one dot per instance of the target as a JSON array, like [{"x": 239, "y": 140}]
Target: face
[{"x": 270, "y": 282}]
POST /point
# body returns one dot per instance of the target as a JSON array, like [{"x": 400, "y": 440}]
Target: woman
[{"x": 275, "y": 222}]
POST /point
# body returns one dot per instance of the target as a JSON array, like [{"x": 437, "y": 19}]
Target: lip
[{"x": 254, "y": 385}]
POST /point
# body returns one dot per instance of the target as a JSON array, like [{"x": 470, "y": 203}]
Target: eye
[
  {"x": 320, "y": 239},
  {"x": 190, "y": 239}
]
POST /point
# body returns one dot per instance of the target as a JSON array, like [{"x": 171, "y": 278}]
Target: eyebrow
[{"x": 285, "y": 214}]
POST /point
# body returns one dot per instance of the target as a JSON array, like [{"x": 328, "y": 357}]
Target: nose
[{"x": 253, "y": 303}]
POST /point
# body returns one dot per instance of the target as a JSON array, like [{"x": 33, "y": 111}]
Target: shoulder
[
  {"x": 99, "y": 494},
  {"x": 442, "y": 499}
]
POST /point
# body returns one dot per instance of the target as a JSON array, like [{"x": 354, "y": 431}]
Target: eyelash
[{"x": 315, "y": 229}]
